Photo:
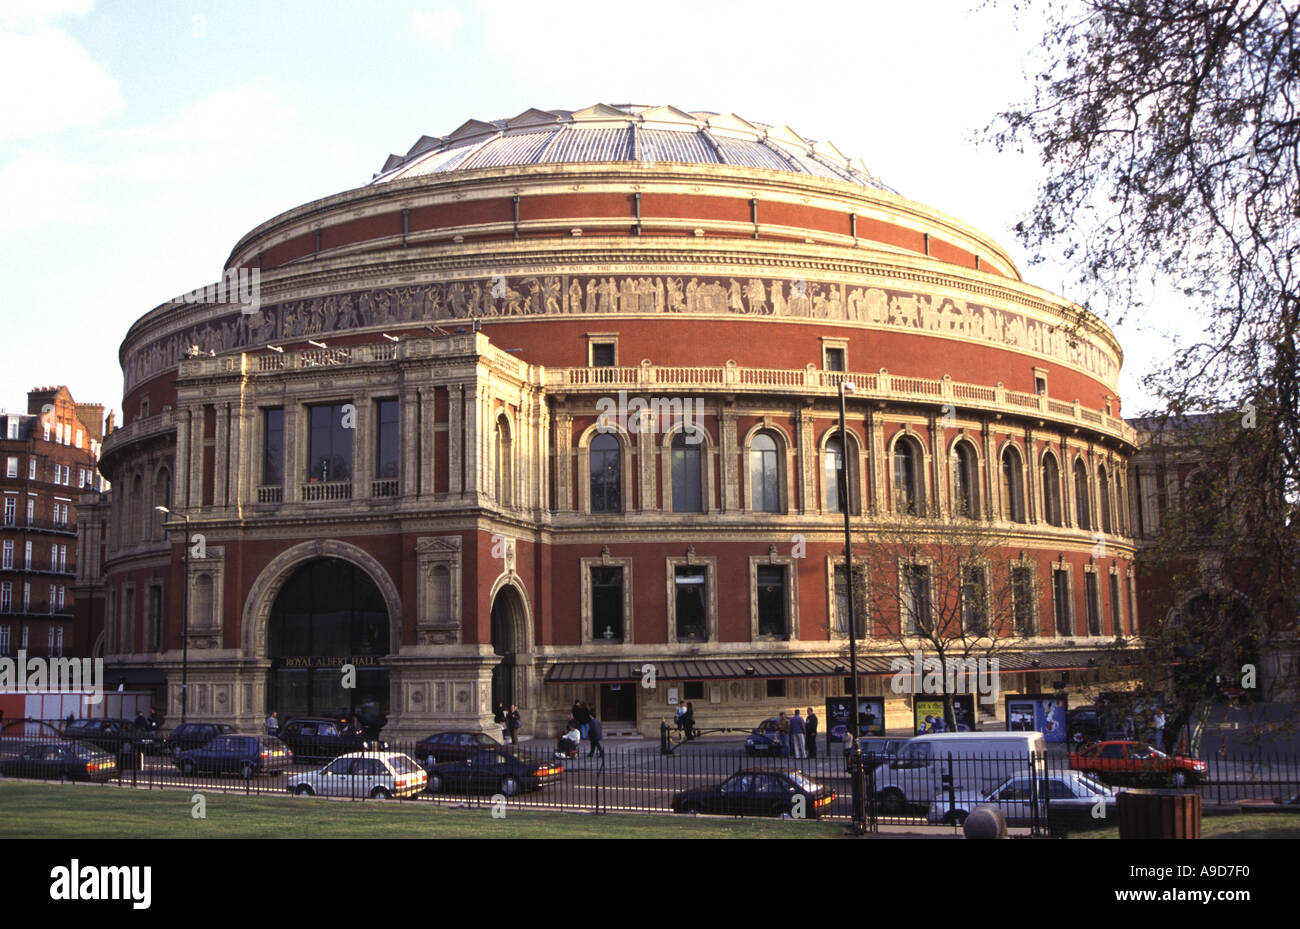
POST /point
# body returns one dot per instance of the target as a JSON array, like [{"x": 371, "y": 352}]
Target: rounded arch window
[
  {"x": 1013, "y": 487},
  {"x": 1051, "y": 490},
  {"x": 1103, "y": 497},
  {"x": 606, "y": 459},
  {"x": 965, "y": 481},
  {"x": 1082, "y": 510},
  {"x": 504, "y": 461},
  {"x": 764, "y": 474},
  {"x": 909, "y": 483},
  {"x": 688, "y": 495}
]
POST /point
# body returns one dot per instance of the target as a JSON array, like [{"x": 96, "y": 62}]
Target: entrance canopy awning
[{"x": 705, "y": 669}]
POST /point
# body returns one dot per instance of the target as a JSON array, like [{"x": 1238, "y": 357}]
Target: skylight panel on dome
[
  {"x": 447, "y": 159},
  {"x": 511, "y": 149},
  {"x": 749, "y": 154},
  {"x": 671, "y": 145},
  {"x": 583, "y": 144}
]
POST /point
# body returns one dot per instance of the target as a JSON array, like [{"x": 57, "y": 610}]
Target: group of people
[
  {"x": 583, "y": 723},
  {"x": 509, "y": 722},
  {"x": 686, "y": 719},
  {"x": 797, "y": 734}
]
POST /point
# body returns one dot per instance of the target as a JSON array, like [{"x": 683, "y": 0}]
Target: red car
[{"x": 1113, "y": 761}]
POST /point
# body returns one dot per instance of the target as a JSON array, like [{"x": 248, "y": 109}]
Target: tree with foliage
[{"x": 1171, "y": 138}]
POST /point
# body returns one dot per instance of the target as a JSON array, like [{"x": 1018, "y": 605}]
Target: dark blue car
[
  {"x": 245, "y": 755},
  {"x": 763, "y": 740}
]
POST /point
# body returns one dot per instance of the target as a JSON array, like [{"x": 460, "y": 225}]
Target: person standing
[
  {"x": 582, "y": 716},
  {"x": 688, "y": 719},
  {"x": 681, "y": 711},
  {"x": 798, "y": 732},
  {"x": 810, "y": 729},
  {"x": 597, "y": 733},
  {"x": 1158, "y": 723},
  {"x": 513, "y": 723},
  {"x": 783, "y": 733},
  {"x": 499, "y": 717},
  {"x": 273, "y": 724}
]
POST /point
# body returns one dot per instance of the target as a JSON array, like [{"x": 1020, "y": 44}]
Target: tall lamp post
[
  {"x": 185, "y": 628},
  {"x": 855, "y": 758}
]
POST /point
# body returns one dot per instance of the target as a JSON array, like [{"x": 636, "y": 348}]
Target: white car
[
  {"x": 1070, "y": 795},
  {"x": 377, "y": 775}
]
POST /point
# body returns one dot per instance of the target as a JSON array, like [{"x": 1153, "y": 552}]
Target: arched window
[
  {"x": 688, "y": 496},
  {"x": 965, "y": 482},
  {"x": 505, "y": 462},
  {"x": 764, "y": 475},
  {"x": 136, "y": 508},
  {"x": 1103, "y": 495},
  {"x": 1013, "y": 486},
  {"x": 162, "y": 496},
  {"x": 909, "y": 486},
  {"x": 606, "y": 495},
  {"x": 1051, "y": 490},
  {"x": 1082, "y": 511},
  {"x": 832, "y": 461}
]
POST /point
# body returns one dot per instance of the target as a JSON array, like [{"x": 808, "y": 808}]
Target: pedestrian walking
[
  {"x": 810, "y": 730},
  {"x": 273, "y": 724},
  {"x": 797, "y": 735},
  {"x": 597, "y": 733},
  {"x": 783, "y": 733},
  {"x": 688, "y": 719},
  {"x": 582, "y": 716},
  {"x": 677, "y": 717},
  {"x": 513, "y": 723}
]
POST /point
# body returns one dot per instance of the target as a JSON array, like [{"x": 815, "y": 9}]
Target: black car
[
  {"x": 452, "y": 746},
  {"x": 245, "y": 755},
  {"x": 61, "y": 761},
  {"x": 193, "y": 735},
  {"x": 758, "y": 793},
  {"x": 324, "y": 739},
  {"x": 492, "y": 771},
  {"x": 764, "y": 740},
  {"x": 120, "y": 737}
]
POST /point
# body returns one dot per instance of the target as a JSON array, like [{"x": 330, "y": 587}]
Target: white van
[{"x": 927, "y": 764}]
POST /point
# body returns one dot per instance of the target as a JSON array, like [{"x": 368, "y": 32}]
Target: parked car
[
  {"x": 323, "y": 739},
  {"x": 377, "y": 775},
  {"x": 61, "y": 761},
  {"x": 875, "y": 749},
  {"x": 493, "y": 771},
  {"x": 246, "y": 755},
  {"x": 763, "y": 740},
  {"x": 1120, "y": 761},
  {"x": 975, "y": 760},
  {"x": 452, "y": 746},
  {"x": 1069, "y": 796},
  {"x": 118, "y": 737},
  {"x": 193, "y": 735},
  {"x": 757, "y": 793}
]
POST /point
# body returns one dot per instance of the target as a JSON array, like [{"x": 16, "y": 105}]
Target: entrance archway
[
  {"x": 508, "y": 619},
  {"x": 328, "y": 614}
]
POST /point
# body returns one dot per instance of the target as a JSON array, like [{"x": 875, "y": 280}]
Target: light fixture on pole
[
  {"x": 185, "y": 627},
  {"x": 855, "y": 757}
]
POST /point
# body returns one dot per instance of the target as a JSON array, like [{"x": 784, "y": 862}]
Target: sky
[{"x": 140, "y": 140}]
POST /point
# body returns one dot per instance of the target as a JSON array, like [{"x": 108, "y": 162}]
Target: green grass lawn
[
  {"x": 1239, "y": 826},
  {"x": 30, "y": 811}
]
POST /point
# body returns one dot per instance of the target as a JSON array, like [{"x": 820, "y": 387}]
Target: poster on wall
[
  {"x": 871, "y": 717},
  {"x": 1037, "y": 713},
  {"x": 928, "y": 715}
]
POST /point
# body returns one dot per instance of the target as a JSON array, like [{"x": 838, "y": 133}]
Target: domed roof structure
[{"x": 625, "y": 132}]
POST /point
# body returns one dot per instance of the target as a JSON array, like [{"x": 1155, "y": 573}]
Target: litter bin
[{"x": 1159, "y": 814}]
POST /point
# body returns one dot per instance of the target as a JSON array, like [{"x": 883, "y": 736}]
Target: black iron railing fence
[{"x": 1044, "y": 794}]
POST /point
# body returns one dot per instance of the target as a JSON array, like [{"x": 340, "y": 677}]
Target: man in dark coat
[
  {"x": 810, "y": 733},
  {"x": 596, "y": 733}
]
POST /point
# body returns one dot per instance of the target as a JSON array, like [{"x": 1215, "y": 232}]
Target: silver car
[
  {"x": 377, "y": 775},
  {"x": 1070, "y": 795}
]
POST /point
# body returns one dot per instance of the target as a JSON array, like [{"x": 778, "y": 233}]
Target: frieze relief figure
[{"x": 554, "y": 294}]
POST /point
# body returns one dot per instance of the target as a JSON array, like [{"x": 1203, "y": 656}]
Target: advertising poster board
[
  {"x": 871, "y": 717},
  {"x": 928, "y": 716},
  {"x": 1043, "y": 713}
]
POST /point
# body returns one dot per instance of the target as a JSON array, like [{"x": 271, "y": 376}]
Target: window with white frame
[
  {"x": 24, "y": 636},
  {"x": 8, "y": 556},
  {"x": 54, "y": 598},
  {"x": 27, "y": 596},
  {"x": 62, "y": 596},
  {"x": 1062, "y": 606},
  {"x": 31, "y": 511},
  {"x": 63, "y": 558},
  {"x": 840, "y": 601},
  {"x": 49, "y": 644},
  {"x": 45, "y": 432},
  {"x": 1116, "y": 605},
  {"x": 58, "y": 642},
  {"x": 915, "y": 602},
  {"x": 31, "y": 469},
  {"x": 975, "y": 599},
  {"x": 11, "y": 510},
  {"x": 11, "y": 466},
  {"x": 4, "y": 638},
  {"x": 1092, "y": 600},
  {"x": 6, "y": 599},
  {"x": 606, "y": 599},
  {"x": 13, "y": 427},
  {"x": 81, "y": 437},
  {"x": 54, "y": 558},
  {"x": 27, "y": 555},
  {"x": 1024, "y": 599}
]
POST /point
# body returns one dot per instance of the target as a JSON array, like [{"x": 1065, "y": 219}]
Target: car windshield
[
  {"x": 403, "y": 765},
  {"x": 1093, "y": 785},
  {"x": 804, "y": 784}
]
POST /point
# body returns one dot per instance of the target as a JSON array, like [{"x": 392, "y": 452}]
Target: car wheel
[
  {"x": 954, "y": 818},
  {"x": 187, "y": 768},
  {"x": 892, "y": 801},
  {"x": 692, "y": 808},
  {"x": 380, "y": 793},
  {"x": 509, "y": 786},
  {"x": 435, "y": 784},
  {"x": 246, "y": 771},
  {"x": 304, "y": 790},
  {"x": 1179, "y": 779}
]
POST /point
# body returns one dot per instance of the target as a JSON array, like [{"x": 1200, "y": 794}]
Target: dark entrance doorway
[
  {"x": 328, "y": 614},
  {"x": 507, "y": 614},
  {"x": 618, "y": 702}
]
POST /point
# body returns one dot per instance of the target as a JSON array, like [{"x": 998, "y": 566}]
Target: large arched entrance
[
  {"x": 508, "y": 618},
  {"x": 328, "y": 614}
]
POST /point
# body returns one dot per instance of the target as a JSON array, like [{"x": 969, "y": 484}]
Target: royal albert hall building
[{"x": 396, "y": 460}]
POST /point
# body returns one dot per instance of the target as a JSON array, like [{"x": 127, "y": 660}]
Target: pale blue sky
[{"x": 139, "y": 141}]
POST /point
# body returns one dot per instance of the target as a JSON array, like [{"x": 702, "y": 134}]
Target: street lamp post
[
  {"x": 185, "y": 627},
  {"x": 855, "y": 758}
]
